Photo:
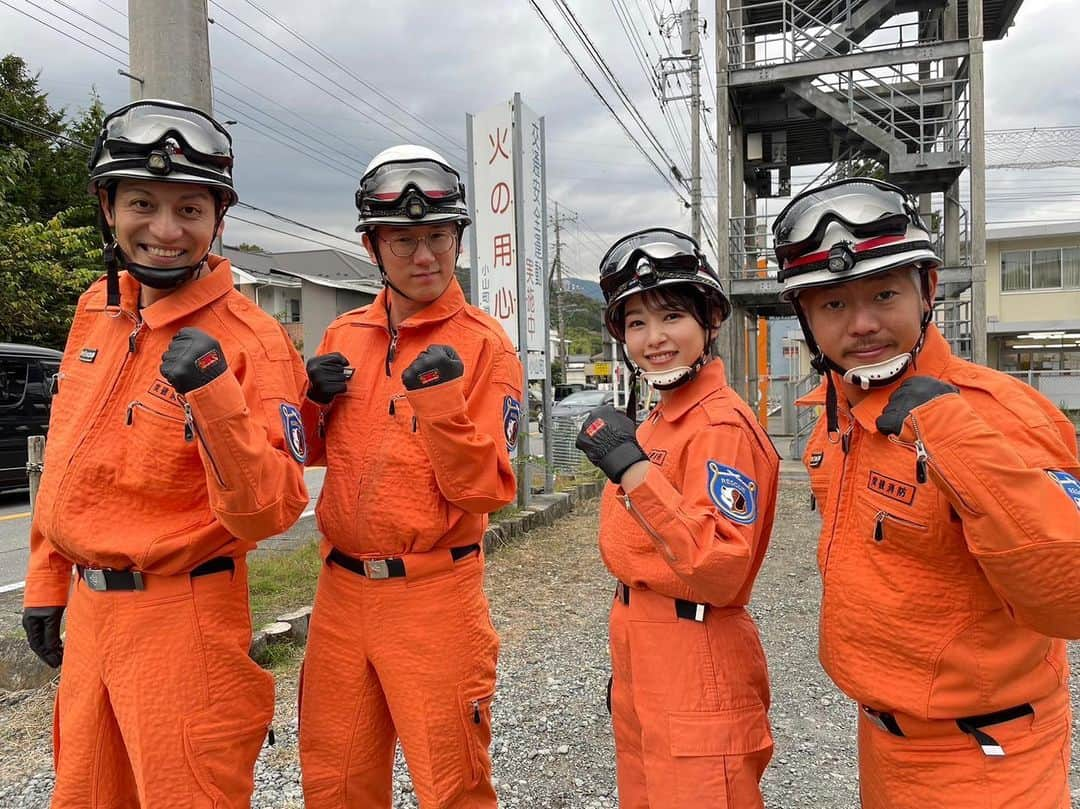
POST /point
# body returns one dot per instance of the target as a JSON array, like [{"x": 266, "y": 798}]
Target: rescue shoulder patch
[
  {"x": 1068, "y": 483},
  {"x": 735, "y": 494},
  {"x": 891, "y": 487},
  {"x": 511, "y": 419},
  {"x": 293, "y": 426}
]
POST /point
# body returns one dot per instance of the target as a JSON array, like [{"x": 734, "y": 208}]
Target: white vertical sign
[
  {"x": 494, "y": 224},
  {"x": 531, "y": 261}
]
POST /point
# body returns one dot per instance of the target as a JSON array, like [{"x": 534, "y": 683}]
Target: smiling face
[
  {"x": 661, "y": 334},
  {"x": 867, "y": 320},
  {"x": 161, "y": 224}
]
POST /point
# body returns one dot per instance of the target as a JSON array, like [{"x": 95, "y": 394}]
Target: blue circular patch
[
  {"x": 293, "y": 426},
  {"x": 1067, "y": 482},
  {"x": 511, "y": 419},
  {"x": 733, "y": 493}
]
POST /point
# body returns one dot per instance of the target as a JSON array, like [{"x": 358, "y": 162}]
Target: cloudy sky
[{"x": 439, "y": 61}]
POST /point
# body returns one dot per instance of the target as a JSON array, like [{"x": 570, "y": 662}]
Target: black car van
[{"x": 26, "y": 376}]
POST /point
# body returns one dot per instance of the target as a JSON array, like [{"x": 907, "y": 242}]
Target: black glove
[
  {"x": 608, "y": 439},
  {"x": 192, "y": 359},
  {"x": 435, "y": 365},
  {"x": 327, "y": 375},
  {"x": 913, "y": 391},
  {"x": 42, "y": 625}
]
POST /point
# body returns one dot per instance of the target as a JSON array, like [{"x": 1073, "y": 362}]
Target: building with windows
[{"x": 1033, "y": 307}]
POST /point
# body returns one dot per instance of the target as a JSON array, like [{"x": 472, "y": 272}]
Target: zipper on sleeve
[{"x": 191, "y": 430}]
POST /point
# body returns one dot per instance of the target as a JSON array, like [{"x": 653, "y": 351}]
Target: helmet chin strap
[
  {"x": 878, "y": 373},
  {"x": 675, "y": 377}
]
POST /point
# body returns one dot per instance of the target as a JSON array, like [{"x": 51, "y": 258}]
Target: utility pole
[
  {"x": 559, "y": 292},
  {"x": 689, "y": 26},
  {"x": 695, "y": 122},
  {"x": 169, "y": 52}
]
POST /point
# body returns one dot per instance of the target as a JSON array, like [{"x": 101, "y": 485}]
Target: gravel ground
[{"x": 552, "y": 744}]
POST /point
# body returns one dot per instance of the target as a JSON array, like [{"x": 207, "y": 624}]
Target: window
[
  {"x": 1054, "y": 268},
  {"x": 1015, "y": 271},
  {"x": 1070, "y": 268},
  {"x": 12, "y": 381},
  {"x": 294, "y": 310},
  {"x": 1046, "y": 269}
]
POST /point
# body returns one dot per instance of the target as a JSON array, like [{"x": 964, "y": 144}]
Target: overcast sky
[{"x": 441, "y": 60}]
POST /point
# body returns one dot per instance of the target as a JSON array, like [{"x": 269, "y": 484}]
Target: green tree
[
  {"x": 245, "y": 247},
  {"x": 44, "y": 267},
  {"x": 54, "y": 177}
]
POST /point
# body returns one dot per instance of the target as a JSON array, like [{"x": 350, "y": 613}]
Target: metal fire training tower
[{"x": 889, "y": 88}]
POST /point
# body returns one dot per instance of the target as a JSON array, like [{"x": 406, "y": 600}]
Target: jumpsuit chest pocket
[{"x": 161, "y": 461}]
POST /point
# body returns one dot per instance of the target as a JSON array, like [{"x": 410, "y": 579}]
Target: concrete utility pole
[
  {"x": 169, "y": 52},
  {"x": 695, "y": 123},
  {"x": 559, "y": 292}
]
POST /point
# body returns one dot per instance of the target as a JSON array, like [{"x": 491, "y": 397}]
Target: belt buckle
[
  {"x": 376, "y": 569},
  {"x": 95, "y": 579}
]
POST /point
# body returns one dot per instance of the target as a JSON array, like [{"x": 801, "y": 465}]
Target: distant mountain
[{"x": 589, "y": 289}]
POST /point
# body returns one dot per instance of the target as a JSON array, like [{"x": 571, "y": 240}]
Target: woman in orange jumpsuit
[
  {"x": 684, "y": 525},
  {"x": 175, "y": 444},
  {"x": 950, "y": 541}
]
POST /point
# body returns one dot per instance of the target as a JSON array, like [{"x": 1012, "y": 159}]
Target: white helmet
[
  {"x": 410, "y": 185},
  {"x": 848, "y": 229},
  {"x": 842, "y": 231}
]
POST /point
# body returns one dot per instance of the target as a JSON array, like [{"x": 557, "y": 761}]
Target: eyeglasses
[{"x": 404, "y": 246}]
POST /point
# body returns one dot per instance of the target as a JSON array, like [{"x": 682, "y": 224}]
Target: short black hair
[{"x": 688, "y": 298}]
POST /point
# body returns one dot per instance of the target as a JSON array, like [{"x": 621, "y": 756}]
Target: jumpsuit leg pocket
[
  {"x": 221, "y": 753},
  {"x": 719, "y": 756},
  {"x": 475, "y": 707}
]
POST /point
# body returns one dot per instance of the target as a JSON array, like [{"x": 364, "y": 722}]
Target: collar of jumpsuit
[
  {"x": 684, "y": 397},
  {"x": 192, "y": 296},
  {"x": 445, "y": 306},
  {"x": 931, "y": 360}
]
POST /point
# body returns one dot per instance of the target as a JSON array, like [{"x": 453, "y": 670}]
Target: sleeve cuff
[
  {"x": 217, "y": 399},
  {"x": 47, "y": 591}
]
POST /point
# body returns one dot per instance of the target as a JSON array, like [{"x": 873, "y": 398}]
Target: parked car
[
  {"x": 580, "y": 403},
  {"x": 564, "y": 390},
  {"x": 26, "y": 378}
]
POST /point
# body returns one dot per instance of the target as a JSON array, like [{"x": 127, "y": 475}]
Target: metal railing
[
  {"x": 952, "y": 316},
  {"x": 789, "y": 31},
  {"x": 805, "y": 417}
]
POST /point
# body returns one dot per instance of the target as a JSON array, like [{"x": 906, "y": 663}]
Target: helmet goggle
[
  {"x": 153, "y": 131},
  {"x": 644, "y": 257},
  {"x": 867, "y": 208},
  {"x": 409, "y": 188}
]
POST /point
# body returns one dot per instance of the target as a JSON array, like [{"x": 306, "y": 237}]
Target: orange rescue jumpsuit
[
  {"x": 159, "y": 704},
  {"x": 409, "y": 476},
  {"x": 946, "y": 583},
  {"x": 690, "y": 688}
]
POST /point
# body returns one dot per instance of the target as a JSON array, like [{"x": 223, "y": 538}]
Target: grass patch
[
  {"x": 281, "y": 656},
  {"x": 283, "y": 582}
]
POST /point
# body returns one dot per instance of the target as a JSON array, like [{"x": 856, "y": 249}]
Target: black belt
[
  {"x": 390, "y": 568},
  {"x": 971, "y": 725},
  {"x": 688, "y": 610},
  {"x": 102, "y": 579}
]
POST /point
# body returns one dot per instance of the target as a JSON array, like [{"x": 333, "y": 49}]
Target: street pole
[
  {"x": 169, "y": 52},
  {"x": 977, "y": 250},
  {"x": 725, "y": 339},
  {"x": 695, "y": 124},
  {"x": 559, "y": 292}
]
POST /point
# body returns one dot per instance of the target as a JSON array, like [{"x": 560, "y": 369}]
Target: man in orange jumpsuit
[
  {"x": 950, "y": 542},
  {"x": 684, "y": 526},
  {"x": 175, "y": 444},
  {"x": 413, "y": 407}
]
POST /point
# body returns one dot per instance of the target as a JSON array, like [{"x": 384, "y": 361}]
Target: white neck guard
[
  {"x": 878, "y": 373},
  {"x": 664, "y": 380}
]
